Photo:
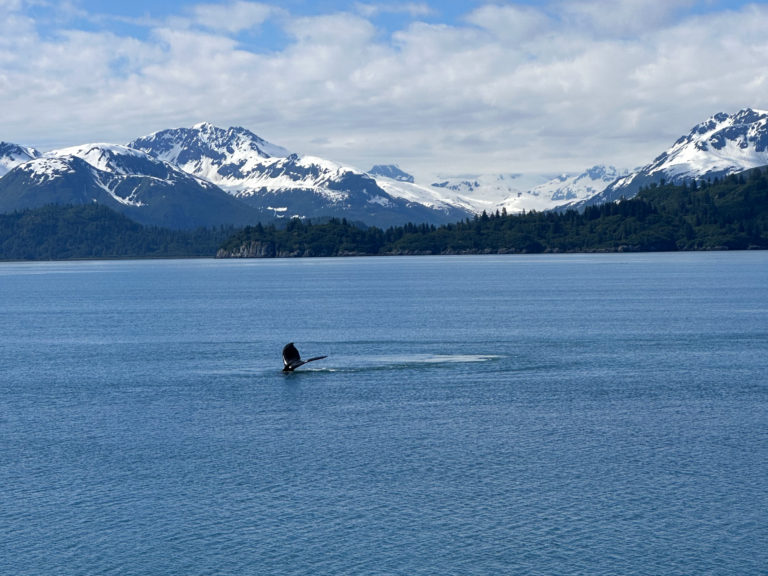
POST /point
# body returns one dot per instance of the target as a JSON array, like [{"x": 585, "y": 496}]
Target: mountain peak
[
  {"x": 721, "y": 145},
  {"x": 119, "y": 160},
  {"x": 606, "y": 173},
  {"x": 391, "y": 171},
  {"x": 12, "y": 155},
  {"x": 208, "y": 151},
  {"x": 578, "y": 187},
  {"x": 749, "y": 116}
]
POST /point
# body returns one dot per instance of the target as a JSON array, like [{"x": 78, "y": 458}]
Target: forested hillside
[
  {"x": 92, "y": 231},
  {"x": 723, "y": 214}
]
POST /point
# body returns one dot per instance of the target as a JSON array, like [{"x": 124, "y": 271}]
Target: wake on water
[
  {"x": 358, "y": 364},
  {"x": 399, "y": 362}
]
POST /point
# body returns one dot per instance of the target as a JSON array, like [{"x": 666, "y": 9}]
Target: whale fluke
[{"x": 292, "y": 358}]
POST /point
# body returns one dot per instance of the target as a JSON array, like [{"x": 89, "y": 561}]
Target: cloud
[
  {"x": 511, "y": 23},
  {"x": 509, "y": 89},
  {"x": 233, "y": 17},
  {"x": 413, "y": 9},
  {"x": 10, "y": 5},
  {"x": 621, "y": 18}
]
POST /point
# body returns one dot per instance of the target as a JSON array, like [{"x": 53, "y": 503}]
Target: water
[{"x": 595, "y": 414}]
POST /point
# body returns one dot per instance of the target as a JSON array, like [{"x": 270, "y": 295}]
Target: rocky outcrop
[{"x": 250, "y": 250}]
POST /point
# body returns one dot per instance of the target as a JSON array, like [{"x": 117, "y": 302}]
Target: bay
[{"x": 553, "y": 414}]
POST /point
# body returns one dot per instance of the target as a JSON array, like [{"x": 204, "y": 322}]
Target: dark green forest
[
  {"x": 92, "y": 231},
  {"x": 731, "y": 213}
]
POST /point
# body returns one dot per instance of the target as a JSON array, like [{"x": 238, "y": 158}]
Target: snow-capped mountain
[
  {"x": 513, "y": 192},
  {"x": 123, "y": 161},
  {"x": 11, "y": 155},
  {"x": 425, "y": 195},
  {"x": 391, "y": 171},
  {"x": 277, "y": 183},
  {"x": 240, "y": 162},
  {"x": 130, "y": 181},
  {"x": 491, "y": 192},
  {"x": 720, "y": 146},
  {"x": 569, "y": 187},
  {"x": 224, "y": 157}
]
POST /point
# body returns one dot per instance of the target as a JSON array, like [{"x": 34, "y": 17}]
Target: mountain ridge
[
  {"x": 280, "y": 184},
  {"x": 237, "y": 175},
  {"x": 721, "y": 145},
  {"x": 145, "y": 189},
  {"x": 13, "y": 155}
]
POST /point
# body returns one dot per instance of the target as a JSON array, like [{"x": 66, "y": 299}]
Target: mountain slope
[
  {"x": 391, "y": 171},
  {"x": 569, "y": 188},
  {"x": 223, "y": 157},
  {"x": 12, "y": 155},
  {"x": 720, "y": 146},
  {"x": 511, "y": 192},
  {"x": 55, "y": 232},
  {"x": 126, "y": 180},
  {"x": 731, "y": 214},
  {"x": 279, "y": 184}
]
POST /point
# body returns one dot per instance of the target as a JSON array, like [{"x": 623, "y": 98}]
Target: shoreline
[{"x": 395, "y": 254}]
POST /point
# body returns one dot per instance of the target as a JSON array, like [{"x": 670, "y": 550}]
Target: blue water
[{"x": 580, "y": 414}]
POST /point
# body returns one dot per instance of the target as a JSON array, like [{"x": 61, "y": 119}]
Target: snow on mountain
[
  {"x": 422, "y": 194},
  {"x": 280, "y": 184},
  {"x": 513, "y": 192},
  {"x": 271, "y": 179},
  {"x": 11, "y": 155},
  {"x": 491, "y": 192},
  {"x": 720, "y": 146},
  {"x": 61, "y": 170},
  {"x": 109, "y": 158},
  {"x": 43, "y": 170},
  {"x": 570, "y": 187},
  {"x": 122, "y": 161},
  {"x": 391, "y": 171},
  {"x": 227, "y": 158},
  {"x": 240, "y": 162},
  {"x": 144, "y": 188}
]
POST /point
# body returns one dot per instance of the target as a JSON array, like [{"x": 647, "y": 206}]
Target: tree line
[
  {"x": 56, "y": 232},
  {"x": 730, "y": 213}
]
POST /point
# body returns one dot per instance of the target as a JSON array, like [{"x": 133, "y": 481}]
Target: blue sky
[
  {"x": 445, "y": 11},
  {"x": 455, "y": 86},
  {"x": 448, "y": 10}
]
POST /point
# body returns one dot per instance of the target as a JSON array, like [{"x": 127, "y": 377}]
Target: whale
[{"x": 292, "y": 358}]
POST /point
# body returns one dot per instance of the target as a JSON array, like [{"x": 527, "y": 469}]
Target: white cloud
[
  {"x": 10, "y": 5},
  {"x": 413, "y": 9},
  {"x": 232, "y": 17},
  {"x": 513, "y": 89},
  {"x": 511, "y": 23},
  {"x": 621, "y": 18}
]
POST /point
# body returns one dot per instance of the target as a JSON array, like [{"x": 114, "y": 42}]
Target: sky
[{"x": 444, "y": 88}]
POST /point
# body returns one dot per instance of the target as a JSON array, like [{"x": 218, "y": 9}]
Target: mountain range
[
  {"x": 129, "y": 181},
  {"x": 205, "y": 175},
  {"x": 12, "y": 155},
  {"x": 277, "y": 183},
  {"x": 722, "y": 145}
]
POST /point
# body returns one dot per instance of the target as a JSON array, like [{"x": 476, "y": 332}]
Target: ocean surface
[{"x": 548, "y": 415}]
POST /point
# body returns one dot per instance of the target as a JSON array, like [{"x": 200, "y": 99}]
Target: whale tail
[{"x": 292, "y": 358}]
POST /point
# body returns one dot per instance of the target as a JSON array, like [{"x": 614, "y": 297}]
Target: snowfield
[{"x": 254, "y": 170}]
